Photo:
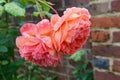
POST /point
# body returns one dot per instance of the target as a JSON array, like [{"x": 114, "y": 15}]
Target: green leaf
[
  {"x": 20, "y": 76},
  {"x": 1, "y": 10},
  {"x": 77, "y": 56},
  {"x": 33, "y": 1},
  {"x": 82, "y": 67},
  {"x": 30, "y": 67},
  {"x": 3, "y": 24},
  {"x": 3, "y": 49},
  {"x": 36, "y": 14},
  {"x": 2, "y": 1},
  {"x": 45, "y": 7},
  {"x": 4, "y": 62},
  {"x": 10, "y": 69},
  {"x": 75, "y": 71},
  {"x": 48, "y": 14},
  {"x": 48, "y": 78},
  {"x": 13, "y": 9},
  {"x": 2, "y": 41},
  {"x": 24, "y": 2}
]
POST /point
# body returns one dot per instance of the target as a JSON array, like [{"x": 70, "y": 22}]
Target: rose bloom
[
  {"x": 35, "y": 44},
  {"x": 71, "y": 30}
]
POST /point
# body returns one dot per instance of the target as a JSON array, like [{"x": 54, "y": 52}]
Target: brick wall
[
  {"x": 104, "y": 42},
  {"x": 105, "y": 36}
]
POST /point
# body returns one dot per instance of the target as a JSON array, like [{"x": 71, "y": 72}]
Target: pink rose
[
  {"x": 71, "y": 30},
  {"x": 35, "y": 44},
  {"x": 45, "y": 43}
]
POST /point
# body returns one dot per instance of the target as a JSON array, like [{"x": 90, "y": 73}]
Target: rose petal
[
  {"x": 61, "y": 21},
  {"x": 43, "y": 27},
  {"x": 22, "y": 41},
  {"x": 54, "y": 19},
  {"x": 47, "y": 41},
  {"x": 28, "y": 29},
  {"x": 71, "y": 30}
]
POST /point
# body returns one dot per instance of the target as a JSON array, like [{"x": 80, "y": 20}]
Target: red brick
[
  {"x": 116, "y": 66},
  {"x": 105, "y": 76},
  {"x": 99, "y": 8},
  {"x": 66, "y": 71},
  {"x": 106, "y": 22},
  {"x": 106, "y": 50},
  {"x": 100, "y": 36},
  {"x": 62, "y": 77},
  {"x": 87, "y": 44},
  {"x": 70, "y": 3},
  {"x": 70, "y": 71},
  {"x": 61, "y": 69},
  {"x": 115, "y": 5},
  {"x": 116, "y": 36},
  {"x": 72, "y": 78}
]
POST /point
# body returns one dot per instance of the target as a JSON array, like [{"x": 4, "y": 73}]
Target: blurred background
[{"x": 97, "y": 60}]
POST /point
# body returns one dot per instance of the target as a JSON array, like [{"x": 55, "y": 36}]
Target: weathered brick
[
  {"x": 115, "y": 5},
  {"x": 62, "y": 77},
  {"x": 28, "y": 18},
  {"x": 70, "y": 3},
  {"x": 72, "y": 78},
  {"x": 88, "y": 54},
  {"x": 116, "y": 36},
  {"x": 105, "y": 76},
  {"x": 65, "y": 70},
  {"x": 30, "y": 10},
  {"x": 87, "y": 44},
  {"x": 100, "y": 36},
  {"x": 116, "y": 66},
  {"x": 101, "y": 63},
  {"x": 99, "y": 8},
  {"x": 61, "y": 69},
  {"x": 106, "y": 50},
  {"x": 106, "y": 22}
]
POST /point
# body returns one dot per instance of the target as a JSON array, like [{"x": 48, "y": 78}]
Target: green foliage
[
  {"x": 33, "y": 70},
  {"x": 14, "y": 9},
  {"x": 43, "y": 8},
  {"x": 78, "y": 55},
  {"x": 3, "y": 49},
  {"x": 1, "y": 10},
  {"x": 84, "y": 70},
  {"x": 26, "y": 3},
  {"x": 2, "y": 1},
  {"x": 46, "y": 13},
  {"x": 12, "y": 67}
]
